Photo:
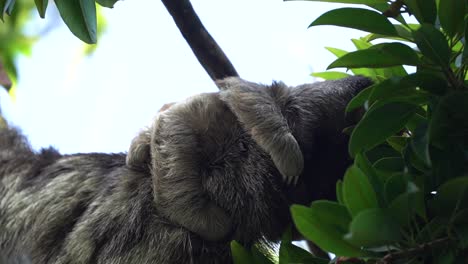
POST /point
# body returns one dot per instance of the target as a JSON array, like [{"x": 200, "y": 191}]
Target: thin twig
[{"x": 413, "y": 252}]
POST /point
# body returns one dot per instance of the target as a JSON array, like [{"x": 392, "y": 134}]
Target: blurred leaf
[
  {"x": 451, "y": 196},
  {"x": 80, "y": 17},
  {"x": 10, "y": 8},
  {"x": 372, "y": 228},
  {"x": 394, "y": 186},
  {"x": 451, "y": 15},
  {"x": 241, "y": 255},
  {"x": 462, "y": 234},
  {"x": 325, "y": 223},
  {"x": 339, "y": 192},
  {"x": 41, "y": 7},
  {"x": 360, "y": 99},
  {"x": 369, "y": 21},
  {"x": 397, "y": 143},
  {"x": 358, "y": 193},
  {"x": 379, "y": 123},
  {"x": 424, "y": 10},
  {"x": 380, "y": 55},
  {"x": 405, "y": 205},
  {"x": 449, "y": 122},
  {"x": 432, "y": 44},
  {"x": 107, "y": 3},
  {"x": 447, "y": 163},
  {"x": 465, "y": 49},
  {"x": 392, "y": 164},
  {"x": 420, "y": 143},
  {"x": 330, "y": 75},
  {"x": 426, "y": 81},
  {"x": 365, "y": 166},
  {"x": 290, "y": 253}
]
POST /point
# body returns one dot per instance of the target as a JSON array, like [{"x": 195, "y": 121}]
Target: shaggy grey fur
[{"x": 208, "y": 170}]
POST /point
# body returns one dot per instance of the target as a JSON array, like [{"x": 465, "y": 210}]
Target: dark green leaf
[
  {"x": 369, "y": 21},
  {"x": 462, "y": 235},
  {"x": 420, "y": 143},
  {"x": 360, "y": 99},
  {"x": 405, "y": 205},
  {"x": 80, "y": 17},
  {"x": 241, "y": 255},
  {"x": 434, "y": 229},
  {"x": 339, "y": 53},
  {"x": 451, "y": 15},
  {"x": 325, "y": 223},
  {"x": 381, "y": 55},
  {"x": 358, "y": 193},
  {"x": 394, "y": 186},
  {"x": 330, "y": 75},
  {"x": 379, "y": 123},
  {"x": 290, "y": 253},
  {"x": 397, "y": 143},
  {"x": 426, "y": 81},
  {"x": 372, "y": 228},
  {"x": 41, "y": 6},
  {"x": 465, "y": 49},
  {"x": 424, "y": 10},
  {"x": 107, "y": 3},
  {"x": 391, "y": 164},
  {"x": 451, "y": 196},
  {"x": 432, "y": 44},
  {"x": 449, "y": 122}
]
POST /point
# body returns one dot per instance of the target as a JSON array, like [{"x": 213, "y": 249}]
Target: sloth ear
[
  {"x": 258, "y": 108},
  {"x": 139, "y": 156}
]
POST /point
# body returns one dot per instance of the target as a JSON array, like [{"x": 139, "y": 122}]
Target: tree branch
[
  {"x": 412, "y": 252},
  {"x": 205, "y": 48}
]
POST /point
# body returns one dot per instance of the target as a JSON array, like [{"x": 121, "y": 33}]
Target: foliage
[
  {"x": 405, "y": 198},
  {"x": 81, "y": 18}
]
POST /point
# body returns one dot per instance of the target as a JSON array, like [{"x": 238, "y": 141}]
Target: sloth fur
[{"x": 216, "y": 167}]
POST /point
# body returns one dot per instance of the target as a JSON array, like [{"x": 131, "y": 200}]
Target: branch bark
[{"x": 205, "y": 48}]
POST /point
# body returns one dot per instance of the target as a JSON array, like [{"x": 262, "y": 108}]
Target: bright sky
[{"x": 99, "y": 103}]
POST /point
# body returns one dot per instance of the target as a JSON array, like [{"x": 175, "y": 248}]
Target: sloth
[{"x": 213, "y": 168}]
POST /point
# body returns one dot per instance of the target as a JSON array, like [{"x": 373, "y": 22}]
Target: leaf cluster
[{"x": 405, "y": 198}]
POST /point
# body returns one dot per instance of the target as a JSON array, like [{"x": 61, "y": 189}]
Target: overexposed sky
[{"x": 99, "y": 103}]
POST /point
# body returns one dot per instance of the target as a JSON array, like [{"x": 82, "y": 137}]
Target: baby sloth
[{"x": 216, "y": 167}]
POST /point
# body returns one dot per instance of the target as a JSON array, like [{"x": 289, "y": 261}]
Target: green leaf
[
  {"x": 107, "y": 3},
  {"x": 325, "y": 223},
  {"x": 434, "y": 229},
  {"x": 426, "y": 81},
  {"x": 424, "y": 10},
  {"x": 339, "y": 53},
  {"x": 465, "y": 49},
  {"x": 330, "y": 75},
  {"x": 447, "y": 163},
  {"x": 451, "y": 15},
  {"x": 369, "y": 20},
  {"x": 372, "y": 228},
  {"x": 394, "y": 186},
  {"x": 10, "y": 8},
  {"x": 365, "y": 165},
  {"x": 5, "y": 5},
  {"x": 358, "y": 193},
  {"x": 241, "y": 255},
  {"x": 397, "y": 143},
  {"x": 420, "y": 143},
  {"x": 405, "y": 205},
  {"x": 451, "y": 196},
  {"x": 360, "y": 99},
  {"x": 432, "y": 43},
  {"x": 41, "y": 6},
  {"x": 260, "y": 256},
  {"x": 379, "y": 123},
  {"x": 80, "y": 17},
  {"x": 392, "y": 164},
  {"x": 290, "y": 253},
  {"x": 380, "y": 55},
  {"x": 449, "y": 124}
]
